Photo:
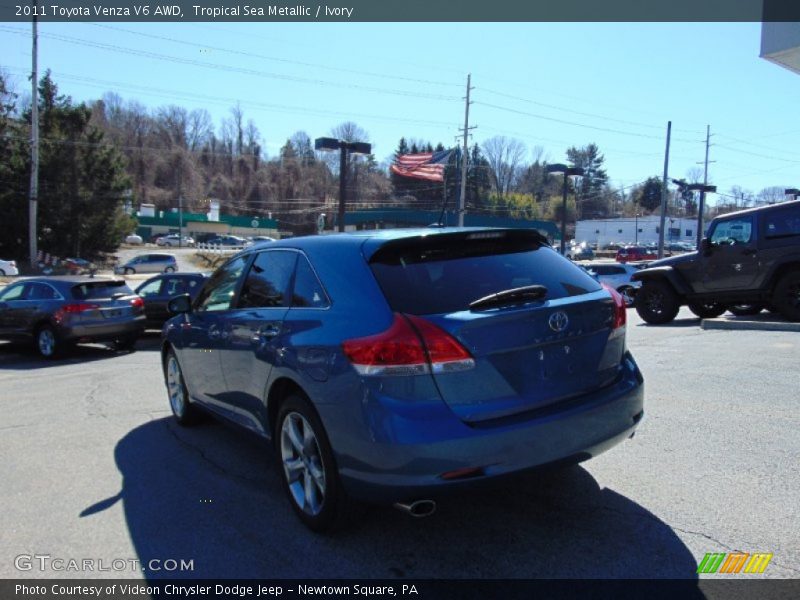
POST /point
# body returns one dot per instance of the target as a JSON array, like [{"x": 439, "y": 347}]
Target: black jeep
[{"x": 750, "y": 258}]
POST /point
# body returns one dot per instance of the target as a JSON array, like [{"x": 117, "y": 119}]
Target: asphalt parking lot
[{"x": 95, "y": 469}]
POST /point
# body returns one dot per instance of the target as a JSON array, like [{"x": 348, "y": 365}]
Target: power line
[{"x": 231, "y": 69}]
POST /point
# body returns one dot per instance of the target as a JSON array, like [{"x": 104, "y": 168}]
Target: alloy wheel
[
  {"x": 177, "y": 398},
  {"x": 302, "y": 463},
  {"x": 46, "y": 341}
]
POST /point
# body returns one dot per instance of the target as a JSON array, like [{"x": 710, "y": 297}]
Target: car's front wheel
[
  {"x": 128, "y": 271},
  {"x": 657, "y": 303},
  {"x": 308, "y": 469},
  {"x": 786, "y": 297},
  {"x": 169, "y": 270},
  {"x": 183, "y": 410},
  {"x": 707, "y": 310}
]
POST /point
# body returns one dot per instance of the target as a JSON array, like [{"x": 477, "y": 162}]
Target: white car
[
  {"x": 618, "y": 276},
  {"x": 173, "y": 239},
  {"x": 134, "y": 240},
  {"x": 8, "y": 267}
]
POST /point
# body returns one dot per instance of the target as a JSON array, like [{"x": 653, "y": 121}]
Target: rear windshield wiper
[{"x": 509, "y": 297}]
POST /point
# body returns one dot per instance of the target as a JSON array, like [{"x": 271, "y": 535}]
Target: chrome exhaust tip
[{"x": 418, "y": 508}]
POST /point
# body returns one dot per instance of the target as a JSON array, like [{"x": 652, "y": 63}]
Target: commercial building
[{"x": 635, "y": 230}]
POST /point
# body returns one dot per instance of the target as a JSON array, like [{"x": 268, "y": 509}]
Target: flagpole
[{"x": 463, "y": 194}]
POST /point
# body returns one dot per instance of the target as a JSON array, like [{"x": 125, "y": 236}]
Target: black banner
[
  {"x": 187, "y": 589},
  {"x": 405, "y": 11}
]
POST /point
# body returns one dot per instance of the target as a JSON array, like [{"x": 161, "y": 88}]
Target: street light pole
[
  {"x": 559, "y": 168},
  {"x": 344, "y": 147}
]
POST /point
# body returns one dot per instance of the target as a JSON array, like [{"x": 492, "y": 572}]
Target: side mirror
[
  {"x": 180, "y": 305},
  {"x": 705, "y": 246}
]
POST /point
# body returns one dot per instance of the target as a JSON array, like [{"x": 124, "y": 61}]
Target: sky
[{"x": 548, "y": 85}]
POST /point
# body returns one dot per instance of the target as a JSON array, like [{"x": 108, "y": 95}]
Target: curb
[{"x": 733, "y": 324}]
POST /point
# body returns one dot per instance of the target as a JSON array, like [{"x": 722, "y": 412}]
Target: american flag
[{"x": 428, "y": 165}]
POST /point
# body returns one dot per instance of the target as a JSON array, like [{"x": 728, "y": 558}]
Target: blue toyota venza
[{"x": 393, "y": 366}]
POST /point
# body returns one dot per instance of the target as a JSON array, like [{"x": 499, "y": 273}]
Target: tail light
[
  {"x": 138, "y": 303},
  {"x": 71, "y": 309},
  {"x": 411, "y": 346},
  {"x": 620, "y": 311}
]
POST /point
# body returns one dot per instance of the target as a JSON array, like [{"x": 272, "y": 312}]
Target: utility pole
[
  {"x": 663, "y": 220},
  {"x": 702, "y": 204},
  {"x": 180, "y": 220},
  {"x": 33, "y": 195},
  {"x": 463, "y": 195}
]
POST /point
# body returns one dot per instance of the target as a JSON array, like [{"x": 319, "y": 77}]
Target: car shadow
[
  {"x": 211, "y": 495},
  {"x": 675, "y": 323},
  {"x": 22, "y": 356}
]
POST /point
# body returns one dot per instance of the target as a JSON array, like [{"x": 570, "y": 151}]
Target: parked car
[
  {"x": 228, "y": 240},
  {"x": 157, "y": 292},
  {"x": 78, "y": 266},
  {"x": 55, "y": 313},
  {"x": 8, "y": 268},
  {"x": 617, "y": 276},
  {"x": 393, "y": 365},
  {"x": 580, "y": 253},
  {"x": 134, "y": 240},
  {"x": 173, "y": 239},
  {"x": 148, "y": 263},
  {"x": 750, "y": 257},
  {"x": 635, "y": 253},
  {"x": 261, "y": 238}
]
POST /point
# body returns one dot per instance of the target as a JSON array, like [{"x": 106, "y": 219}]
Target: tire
[
  {"x": 628, "y": 293},
  {"x": 169, "y": 270},
  {"x": 47, "y": 343},
  {"x": 308, "y": 471},
  {"x": 744, "y": 310},
  {"x": 657, "y": 303},
  {"x": 2, "y": 273},
  {"x": 128, "y": 271},
  {"x": 126, "y": 342},
  {"x": 183, "y": 410},
  {"x": 786, "y": 296},
  {"x": 707, "y": 310}
]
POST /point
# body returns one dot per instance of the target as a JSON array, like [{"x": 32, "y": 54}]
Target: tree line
[{"x": 97, "y": 157}]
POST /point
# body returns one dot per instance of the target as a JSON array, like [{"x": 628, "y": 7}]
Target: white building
[{"x": 632, "y": 230}]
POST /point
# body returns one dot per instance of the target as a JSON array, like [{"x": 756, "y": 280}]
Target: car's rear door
[{"x": 528, "y": 354}]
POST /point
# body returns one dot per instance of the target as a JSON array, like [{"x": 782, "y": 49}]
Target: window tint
[
  {"x": 150, "y": 289},
  {"x": 782, "y": 223},
  {"x": 12, "y": 292},
  {"x": 221, "y": 287},
  {"x": 40, "y": 291},
  {"x": 307, "y": 288},
  {"x": 174, "y": 286},
  {"x": 267, "y": 283},
  {"x": 449, "y": 277},
  {"x": 732, "y": 231},
  {"x": 100, "y": 289}
]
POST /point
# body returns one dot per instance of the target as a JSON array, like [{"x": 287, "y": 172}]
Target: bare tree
[
  {"x": 199, "y": 129},
  {"x": 238, "y": 123},
  {"x": 504, "y": 156}
]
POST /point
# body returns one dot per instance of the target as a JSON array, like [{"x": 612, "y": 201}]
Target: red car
[{"x": 635, "y": 253}]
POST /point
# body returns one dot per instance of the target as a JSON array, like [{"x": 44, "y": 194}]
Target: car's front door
[
  {"x": 12, "y": 301},
  {"x": 203, "y": 334},
  {"x": 730, "y": 261},
  {"x": 254, "y": 334}
]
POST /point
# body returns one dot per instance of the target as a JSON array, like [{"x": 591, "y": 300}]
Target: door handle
[{"x": 266, "y": 333}]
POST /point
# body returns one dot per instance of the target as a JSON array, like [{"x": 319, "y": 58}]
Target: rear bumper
[
  {"x": 102, "y": 331},
  {"x": 409, "y": 453}
]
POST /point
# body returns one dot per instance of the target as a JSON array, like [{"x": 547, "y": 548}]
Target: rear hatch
[
  {"x": 544, "y": 331},
  {"x": 104, "y": 301}
]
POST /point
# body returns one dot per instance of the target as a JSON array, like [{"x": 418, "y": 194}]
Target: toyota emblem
[{"x": 558, "y": 321}]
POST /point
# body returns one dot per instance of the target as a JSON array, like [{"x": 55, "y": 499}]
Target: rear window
[
  {"x": 444, "y": 274},
  {"x": 96, "y": 290}
]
